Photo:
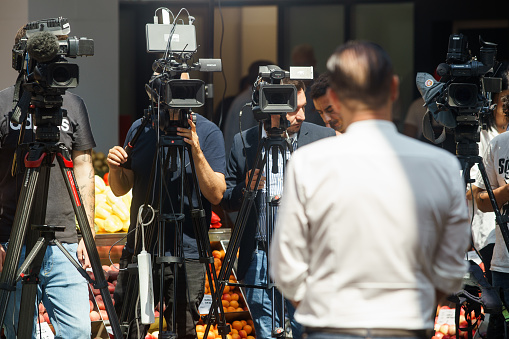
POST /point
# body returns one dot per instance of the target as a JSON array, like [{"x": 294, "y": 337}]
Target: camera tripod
[
  {"x": 32, "y": 205},
  {"x": 172, "y": 151},
  {"x": 274, "y": 143}
]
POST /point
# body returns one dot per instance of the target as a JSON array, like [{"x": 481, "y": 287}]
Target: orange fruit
[
  {"x": 200, "y": 335},
  {"x": 243, "y": 334},
  {"x": 231, "y": 309},
  {"x": 234, "y": 331},
  {"x": 243, "y": 323},
  {"x": 250, "y": 337},
  {"x": 239, "y": 309},
  {"x": 237, "y": 325},
  {"x": 216, "y": 254},
  {"x": 234, "y": 303},
  {"x": 200, "y": 328},
  {"x": 211, "y": 335},
  {"x": 235, "y": 296},
  {"x": 227, "y": 297},
  {"x": 248, "y": 329},
  {"x": 226, "y": 303},
  {"x": 226, "y": 289},
  {"x": 235, "y": 336}
]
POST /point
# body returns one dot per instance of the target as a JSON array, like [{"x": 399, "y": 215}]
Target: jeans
[
  {"x": 323, "y": 335},
  {"x": 62, "y": 290},
  {"x": 260, "y": 300},
  {"x": 496, "y": 326}
]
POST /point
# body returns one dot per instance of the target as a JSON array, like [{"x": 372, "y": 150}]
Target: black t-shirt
[
  {"x": 75, "y": 133},
  {"x": 143, "y": 153}
]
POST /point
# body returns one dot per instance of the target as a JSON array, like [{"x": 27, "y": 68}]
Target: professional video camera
[
  {"x": 175, "y": 97},
  {"x": 46, "y": 64},
  {"x": 462, "y": 97},
  {"x": 271, "y": 96},
  {"x": 45, "y": 74}
]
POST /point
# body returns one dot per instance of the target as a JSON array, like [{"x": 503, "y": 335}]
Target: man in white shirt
[{"x": 363, "y": 257}]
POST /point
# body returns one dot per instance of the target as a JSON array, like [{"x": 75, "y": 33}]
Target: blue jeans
[
  {"x": 260, "y": 300},
  {"x": 323, "y": 335},
  {"x": 62, "y": 290}
]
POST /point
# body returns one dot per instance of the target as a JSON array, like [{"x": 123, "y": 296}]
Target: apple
[
  {"x": 444, "y": 328},
  {"x": 94, "y": 316}
]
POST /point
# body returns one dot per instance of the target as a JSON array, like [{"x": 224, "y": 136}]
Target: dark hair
[
  {"x": 299, "y": 84},
  {"x": 501, "y": 71},
  {"x": 320, "y": 85},
  {"x": 361, "y": 71}
]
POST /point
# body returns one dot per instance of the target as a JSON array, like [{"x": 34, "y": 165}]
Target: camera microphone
[{"x": 43, "y": 46}]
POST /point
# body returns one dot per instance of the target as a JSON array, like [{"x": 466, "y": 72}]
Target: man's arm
[
  {"x": 483, "y": 201},
  {"x": 120, "y": 179},
  {"x": 212, "y": 184},
  {"x": 84, "y": 173}
]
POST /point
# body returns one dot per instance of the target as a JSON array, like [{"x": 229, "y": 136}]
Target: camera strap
[{"x": 20, "y": 104}]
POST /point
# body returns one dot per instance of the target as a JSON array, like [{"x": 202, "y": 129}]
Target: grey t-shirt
[{"x": 75, "y": 133}]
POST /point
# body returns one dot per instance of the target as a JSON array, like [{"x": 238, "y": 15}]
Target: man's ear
[{"x": 394, "y": 88}]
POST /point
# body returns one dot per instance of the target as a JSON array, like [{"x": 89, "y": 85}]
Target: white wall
[{"x": 94, "y": 19}]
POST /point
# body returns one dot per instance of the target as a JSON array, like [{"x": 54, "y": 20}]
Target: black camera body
[
  {"x": 45, "y": 74},
  {"x": 270, "y": 96},
  {"x": 42, "y": 55},
  {"x": 462, "y": 97}
]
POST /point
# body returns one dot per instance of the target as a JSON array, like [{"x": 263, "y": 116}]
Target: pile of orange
[{"x": 240, "y": 329}]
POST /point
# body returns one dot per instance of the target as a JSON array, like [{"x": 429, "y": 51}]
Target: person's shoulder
[
  {"x": 7, "y": 94},
  {"x": 311, "y": 127},
  {"x": 501, "y": 138}
]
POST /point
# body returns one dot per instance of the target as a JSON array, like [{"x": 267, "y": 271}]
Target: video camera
[
  {"x": 462, "y": 97},
  {"x": 46, "y": 53},
  {"x": 45, "y": 74},
  {"x": 175, "y": 97},
  {"x": 270, "y": 96}
]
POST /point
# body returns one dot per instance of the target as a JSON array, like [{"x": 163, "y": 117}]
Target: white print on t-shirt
[{"x": 16, "y": 127}]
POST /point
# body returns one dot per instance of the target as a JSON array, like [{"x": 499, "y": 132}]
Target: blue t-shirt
[{"x": 142, "y": 157}]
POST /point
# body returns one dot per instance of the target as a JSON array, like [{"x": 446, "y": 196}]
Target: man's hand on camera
[
  {"x": 2, "y": 257},
  {"x": 116, "y": 157},
  {"x": 253, "y": 182},
  {"x": 190, "y": 136},
  {"x": 83, "y": 255}
]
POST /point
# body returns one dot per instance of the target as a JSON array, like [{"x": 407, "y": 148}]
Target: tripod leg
[
  {"x": 36, "y": 255},
  {"x": 18, "y": 232},
  {"x": 66, "y": 165}
]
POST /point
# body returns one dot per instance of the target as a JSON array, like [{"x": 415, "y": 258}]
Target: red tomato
[{"x": 105, "y": 178}]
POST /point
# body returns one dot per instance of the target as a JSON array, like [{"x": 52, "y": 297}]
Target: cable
[{"x": 222, "y": 68}]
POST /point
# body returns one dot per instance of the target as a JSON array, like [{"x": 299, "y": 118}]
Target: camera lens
[
  {"x": 462, "y": 95},
  {"x": 61, "y": 76}
]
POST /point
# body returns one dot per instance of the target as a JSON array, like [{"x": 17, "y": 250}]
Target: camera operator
[
  {"x": 483, "y": 224},
  {"x": 252, "y": 267},
  {"x": 323, "y": 106},
  {"x": 207, "y": 147},
  {"x": 496, "y": 162},
  {"x": 59, "y": 281},
  {"x": 359, "y": 258}
]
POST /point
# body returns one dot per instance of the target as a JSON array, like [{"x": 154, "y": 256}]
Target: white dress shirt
[{"x": 370, "y": 224}]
